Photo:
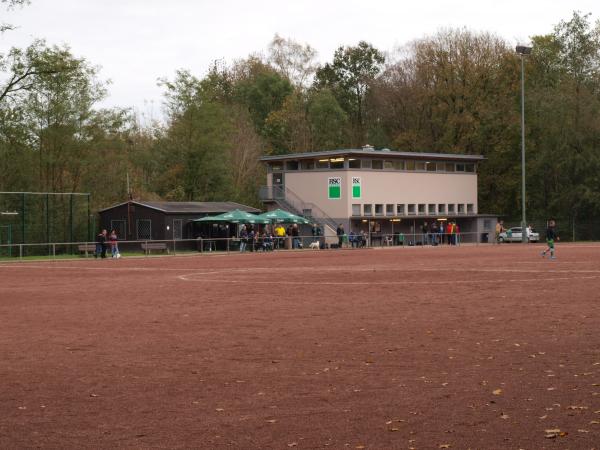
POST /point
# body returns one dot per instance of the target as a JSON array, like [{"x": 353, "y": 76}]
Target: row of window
[
  {"x": 374, "y": 164},
  {"x": 410, "y": 209}
]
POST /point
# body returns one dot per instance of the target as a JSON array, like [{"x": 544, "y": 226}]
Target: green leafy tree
[{"x": 349, "y": 77}]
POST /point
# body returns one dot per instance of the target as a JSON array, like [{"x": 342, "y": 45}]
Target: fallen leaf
[
  {"x": 272, "y": 420},
  {"x": 594, "y": 422},
  {"x": 551, "y": 389},
  {"x": 504, "y": 416},
  {"x": 93, "y": 395},
  {"x": 583, "y": 431},
  {"x": 292, "y": 444},
  {"x": 497, "y": 392},
  {"x": 360, "y": 446},
  {"x": 543, "y": 417},
  {"x": 444, "y": 445},
  {"x": 219, "y": 409}
]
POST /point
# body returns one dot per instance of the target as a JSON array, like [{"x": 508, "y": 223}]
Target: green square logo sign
[
  {"x": 335, "y": 188},
  {"x": 356, "y": 187}
]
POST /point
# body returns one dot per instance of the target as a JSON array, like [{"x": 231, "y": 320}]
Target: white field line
[{"x": 371, "y": 283}]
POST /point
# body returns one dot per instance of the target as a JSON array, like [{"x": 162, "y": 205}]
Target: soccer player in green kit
[{"x": 551, "y": 236}]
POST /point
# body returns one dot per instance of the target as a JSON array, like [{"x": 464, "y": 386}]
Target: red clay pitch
[{"x": 488, "y": 347}]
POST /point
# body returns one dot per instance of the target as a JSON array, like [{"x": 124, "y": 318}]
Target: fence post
[
  {"x": 145, "y": 248},
  {"x": 228, "y": 239},
  {"x": 53, "y": 251},
  {"x": 201, "y": 245},
  {"x": 174, "y": 250}
]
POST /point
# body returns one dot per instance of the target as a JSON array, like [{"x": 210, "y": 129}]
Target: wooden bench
[
  {"x": 149, "y": 246},
  {"x": 86, "y": 248}
]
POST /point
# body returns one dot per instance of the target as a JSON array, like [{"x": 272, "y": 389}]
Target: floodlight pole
[{"x": 522, "y": 51}]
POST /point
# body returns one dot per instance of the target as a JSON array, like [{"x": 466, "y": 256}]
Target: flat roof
[{"x": 384, "y": 153}]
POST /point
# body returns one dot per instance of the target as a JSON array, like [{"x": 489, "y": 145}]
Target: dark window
[
  {"x": 336, "y": 163},
  {"x": 411, "y": 208},
  {"x": 144, "y": 229},
  {"x": 400, "y": 209},
  {"x": 177, "y": 229},
  {"x": 389, "y": 210},
  {"x": 421, "y": 208},
  {"x": 449, "y": 167},
  {"x": 379, "y": 210},
  {"x": 470, "y": 167},
  {"x": 388, "y": 165},
  {"x": 460, "y": 167},
  {"x": 368, "y": 209},
  {"x": 377, "y": 164},
  {"x": 308, "y": 164},
  {"x": 323, "y": 164},
  {"x": 431, "y": 166},
  {"x": 291, "y": 165},
  {"x": 354, "y": 163},
  {"x": 120, "y": 226},
  {"x": 410, "y": 165}
]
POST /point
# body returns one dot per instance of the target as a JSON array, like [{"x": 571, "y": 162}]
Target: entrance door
[{"x": 278, "y": 185}]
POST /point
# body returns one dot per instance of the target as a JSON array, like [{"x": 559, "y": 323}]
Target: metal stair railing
[{"x": 288, "y": 199}]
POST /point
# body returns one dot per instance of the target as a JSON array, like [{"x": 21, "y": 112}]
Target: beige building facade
[{"x": 378, "y": 191}]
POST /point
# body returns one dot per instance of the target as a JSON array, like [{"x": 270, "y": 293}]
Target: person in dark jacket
[
  {"x": 340, "y": 234},
  {"x": 101, "y": 244},
  {"x": 551, "y": 236}
]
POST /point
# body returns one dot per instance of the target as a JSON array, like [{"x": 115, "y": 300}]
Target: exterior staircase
[{"x": 287, "y": 200}]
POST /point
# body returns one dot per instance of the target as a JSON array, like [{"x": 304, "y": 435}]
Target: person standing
[
  {"x": 101, "y": 244},
  {"x": 114, "y": 246},
  {"x": 340, "y": 234},
  {"x": 499, "y": 229},
  {"x": 551, "y": 236},
  {"x": 243, "y": 238},
  {"x": 295, "y": 236}
]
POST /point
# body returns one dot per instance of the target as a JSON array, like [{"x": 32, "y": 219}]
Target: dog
[{"x": 314, "y": 245}]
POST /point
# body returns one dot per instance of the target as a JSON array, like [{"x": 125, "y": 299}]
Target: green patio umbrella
[
  {"x": 235, "y": 216},
  {"x": 281, "y": 216}
]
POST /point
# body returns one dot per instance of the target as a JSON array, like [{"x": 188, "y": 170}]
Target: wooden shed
[{"x": 145, "y": 220}]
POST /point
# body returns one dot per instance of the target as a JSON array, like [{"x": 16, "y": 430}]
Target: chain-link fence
[{"x": 40, "y": 217}]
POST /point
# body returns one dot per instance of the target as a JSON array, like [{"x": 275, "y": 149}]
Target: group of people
[
  {"x": 101, "y": 241},
  {"x": 436, "y": 233},
  {"x": 272, "y": 238}
]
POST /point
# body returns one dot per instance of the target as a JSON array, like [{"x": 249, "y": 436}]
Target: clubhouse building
[{"x": 379, "y": 191}]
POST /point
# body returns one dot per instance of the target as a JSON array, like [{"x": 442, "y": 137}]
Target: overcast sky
[{"x": 138, "y": 41}]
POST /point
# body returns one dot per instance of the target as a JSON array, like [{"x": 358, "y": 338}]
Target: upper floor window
[
  {"x": 377, "y": 164},
  {"x": 354, "y": 163},
  {"x": 291, "y": 165},
  {"x": 307, "y": 164},
  {"x": 323, "y": 164},
  {"x": 336, "y": 163}
]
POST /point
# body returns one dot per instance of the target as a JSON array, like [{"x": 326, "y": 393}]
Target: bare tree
[{"x": 292, "y": 59}]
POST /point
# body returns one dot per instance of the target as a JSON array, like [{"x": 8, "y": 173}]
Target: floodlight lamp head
[{"x": 523, "y": 50}]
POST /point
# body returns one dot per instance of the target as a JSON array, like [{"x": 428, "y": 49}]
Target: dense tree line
[{"x": 455, "y": 92}]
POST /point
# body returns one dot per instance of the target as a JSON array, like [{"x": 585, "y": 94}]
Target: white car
[{"x": 515, "y": 234}]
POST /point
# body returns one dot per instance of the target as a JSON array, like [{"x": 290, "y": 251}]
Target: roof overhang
[{"x": 381, "y": 154}]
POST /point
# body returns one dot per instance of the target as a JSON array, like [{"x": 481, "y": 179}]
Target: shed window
[
  {"x": 410, "y": 165},
  {"x": 431, "y": 166},
  {"x": 449, "y": 167},
  {"x": 291, "y": 165},
  {"x": 144, "y": 229},
  {"x": 469, "y": 167},
  {"x": 399, "y": 165},
  {"x": 419, "y": 165},
  {"x": 388, "y": 165},
  {"x": 177, "y": 229}
]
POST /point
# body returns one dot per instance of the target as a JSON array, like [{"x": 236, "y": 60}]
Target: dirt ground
[{"x": 488, "y": 347}]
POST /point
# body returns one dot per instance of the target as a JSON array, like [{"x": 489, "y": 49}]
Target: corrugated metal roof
[
  {"x": 385, "y": 153},
  {"x": 190, "y": 207}
]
